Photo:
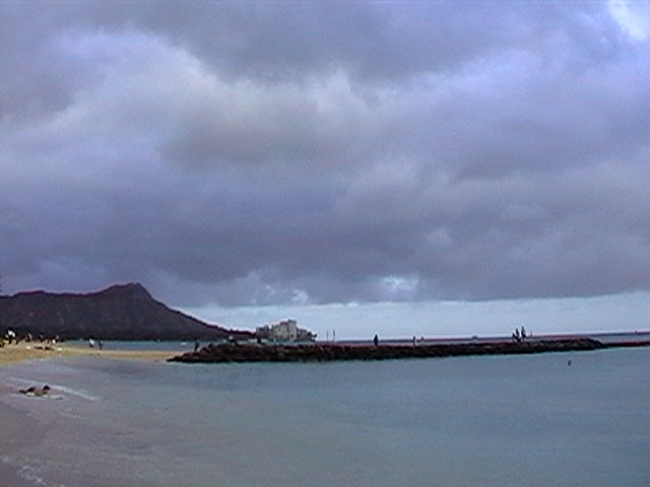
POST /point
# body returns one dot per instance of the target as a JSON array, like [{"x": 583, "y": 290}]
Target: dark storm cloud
[{"x": 325, "y": 152}]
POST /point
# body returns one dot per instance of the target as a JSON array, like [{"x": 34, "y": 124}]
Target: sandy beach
[
  {"x": 35, "y": 351},
  {"x": 13, "y": 422}
]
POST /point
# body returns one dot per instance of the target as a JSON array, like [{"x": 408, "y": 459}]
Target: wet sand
[
  {"x": 35, "y": 351},
  {"x": 18, "y": 430},
  {"x": 10, "y": 435}
]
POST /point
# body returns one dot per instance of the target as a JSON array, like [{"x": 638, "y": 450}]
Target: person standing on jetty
[{"x": 375, "y": 340}]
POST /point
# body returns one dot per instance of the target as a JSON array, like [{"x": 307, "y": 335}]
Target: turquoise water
[{"x": 488, "y": 421}]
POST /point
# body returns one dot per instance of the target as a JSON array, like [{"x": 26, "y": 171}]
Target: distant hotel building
[{"x": 285, "y": 331}]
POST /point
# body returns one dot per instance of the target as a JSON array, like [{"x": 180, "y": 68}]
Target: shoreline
[
  {"x": 20, "y": 431},
  {"x": 14, "y": 353},
  {"x": 326, "y": 351}
]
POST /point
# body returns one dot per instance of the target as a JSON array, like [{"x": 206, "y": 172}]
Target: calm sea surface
[{"x": 471, "y": 421}]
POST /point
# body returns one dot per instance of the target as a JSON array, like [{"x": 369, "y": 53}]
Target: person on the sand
[{"x": 36, "y": 391}]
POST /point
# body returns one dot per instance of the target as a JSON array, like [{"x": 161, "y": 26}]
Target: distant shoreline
[{"x": 389, "y": 348}]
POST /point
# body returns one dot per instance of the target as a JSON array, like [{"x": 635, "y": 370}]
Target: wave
[{"x": 60, "y": 390}]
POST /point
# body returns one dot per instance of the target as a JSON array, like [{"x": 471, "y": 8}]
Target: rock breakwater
[{"x": 224, "y": 353}]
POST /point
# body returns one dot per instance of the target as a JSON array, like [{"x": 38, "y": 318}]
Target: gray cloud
[{"x": 295, "y": 153}]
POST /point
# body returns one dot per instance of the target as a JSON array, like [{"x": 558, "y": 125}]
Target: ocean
[{"x": 569, "y": 419}]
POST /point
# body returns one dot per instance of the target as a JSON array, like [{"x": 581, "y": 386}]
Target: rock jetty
[{"x": 233, "y": 352}]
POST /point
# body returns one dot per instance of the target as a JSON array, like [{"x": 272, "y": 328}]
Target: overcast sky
[{"x": 357, "y": 162}]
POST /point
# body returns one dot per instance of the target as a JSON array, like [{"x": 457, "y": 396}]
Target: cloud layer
[{"x": 326, "y": 153}]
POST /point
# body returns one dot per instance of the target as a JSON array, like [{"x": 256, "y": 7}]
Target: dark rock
[{"x": 331, "y": 352}]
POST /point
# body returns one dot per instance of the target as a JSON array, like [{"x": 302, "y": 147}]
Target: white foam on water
[
  {"x": 60, "y": 391},
  {"x": 31, "y": 471},
  {"x": 34, "y": 475},
  {"x": 75, "y": 392}
]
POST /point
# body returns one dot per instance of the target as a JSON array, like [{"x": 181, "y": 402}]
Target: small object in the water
[{"x": 569, "y": 362}]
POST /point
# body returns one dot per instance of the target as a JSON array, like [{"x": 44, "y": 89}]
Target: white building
[{"x": 284, "y": 331}]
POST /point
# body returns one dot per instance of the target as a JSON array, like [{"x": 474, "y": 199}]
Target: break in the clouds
[{"x": 317, "y": 152}]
